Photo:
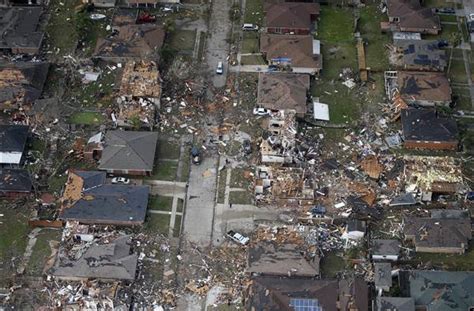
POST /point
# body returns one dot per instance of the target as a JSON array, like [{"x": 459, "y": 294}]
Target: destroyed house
[
  {"x": 385, "y": 249},
  {"x": 15, "y": 183},
  {"x": 419, "y": 55},
  {"x": 20, "y": 29},
  {"x": 270, "y": 259},
  {"x": 89, "y": 200},
  {"x": 410, "y": 16},
  {"x": 438, "y": 235},
  {"x": 427, "y": 89},
  {"x": 395, "y": 304},
  {"x": 383, "y": 276},
  {"x": 300, "y": 52},
  {"x": 105, "y": 261},
  {"x": 279, "y": 146},
  {"x": 289, "y": 294},
  {"x": 13, "y": 140},
  {"x": 294, "y": 18},
  {"x": 131, "y": 41},
  {"x": 21, "y": 84},
  {"x": 141, "y": 79},
  {"x": 438, "y": 290},
  {"x": 424, "y": 129},
  {"x": 128, "y": 152},
  {"x": 283, "y": 91}
]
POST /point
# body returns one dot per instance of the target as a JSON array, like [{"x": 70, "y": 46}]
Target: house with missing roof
[
  {"x": 21, "y": 83},
  {"x": 438, "y": 290},
  {"x": 13, "y": 140},
  {"x": 418, "y": 55},
  {"x": 88, "y": 199},
  {"x": 411, "y": 16},
  {"x": 438, "y": 234},
  {"x": 382, "y": 276},
  {"x": 15, "y": 183},
  {"x": 105, "y": 261},
  {"x": 298, "y": 293},
  {"x": 21, "y": 30},
  {"x": 424, "y": 129},
  {"x": 295, "y": 18},
  {"x": 301, "y": 53},
  {"x": 125, "y": 152}
]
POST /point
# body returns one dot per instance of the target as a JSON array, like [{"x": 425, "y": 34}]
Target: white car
[
  {"x": 249, "y": 27},
  {"x": 220, "y": 68},
  {"x": 261, "y": 111},
  {"x": 238, "y": 238},
  {"x": 471, "y": 16},
  {"x": 120, "y": 180}
]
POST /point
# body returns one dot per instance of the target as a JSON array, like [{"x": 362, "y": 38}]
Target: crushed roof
[
  {"x": 429, "y": 86},
  {"x": 383, "y": 274},
  {"x": 425, "y": 125},
  {"x": 395, "y": 303},
  {"x": 15, "y": 180},
  {"x": 290, "y": 14},
  {"x": 424, "y": 54},
  {"x": 129, "y": 150},
  {"x": 141, "y": 79},
  {"x": 279, "y": 91}
]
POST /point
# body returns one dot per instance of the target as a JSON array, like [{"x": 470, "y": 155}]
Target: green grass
[
  {"x": 164, "y": 170},
  {"x": 241, "y": 197},
  {"x": 336, "y": 25},
  {"x": 336, "y": 57},
  {"x": 185, "y": 165},
  {"x": 183, "y": 40},
  {"x": 55, "y": 183},
  {"x": 86, "y": 118},
  {"x": 157, "y": 223},
  {"x": 250, "y": 42},
  {"x": 177, "y": 226},
  {"x": 90, "y": 31},
  {"x": 42, "y": 251},
  {"x": 254, "y": 12},
  {"x": 167, "y": 150},
  {"x": 14, "y": 237},
  {"x": 95, "y": 94},
  {"x": 454, "y": 262},
  {"x": 331, "y": 264},
  {"x": 375, "y": 52},
  {"x": 462, "y": 98},
  {"x": 447, "y": 32},
  {"x": 252, "y": 60},
  {"x": 457, "y": 72},
  {"x": 221, "y": 186},
  {"x": 447, "y": 18},
  {"x": 160, "y": 203},
  {"x": 238, "y": 180},
  {"x": 61, "y": 30},
  {"x": 180, "y": 206}
]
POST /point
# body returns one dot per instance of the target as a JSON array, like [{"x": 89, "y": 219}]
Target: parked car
[
  {"x": 249, "y": 27},
  {"x": 261, "y": 111},
  {"x": 196, "y": 155},
  {"x": 120, "y": 180},
  {"x": 220, "y": 68},
  {"x": 272, "y": 68},
  {"x": 247, "y": 146},
  {"x": 450, "y": 11},
  {"x": 238, "y": 238}
]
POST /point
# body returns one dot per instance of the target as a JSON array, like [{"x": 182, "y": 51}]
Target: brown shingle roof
[
  {"x": 290, "y": 14},
  {"x": 412, "y": 14},
  {"x": 298, "y": 48},
  {"x": 278, "y": 91},
  {"x": 430, "y": 86}
]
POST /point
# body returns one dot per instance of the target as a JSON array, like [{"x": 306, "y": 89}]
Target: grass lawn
[
  {"x": 90, "y": 31},
  {"x": 87, "y": 118},
  {"x": 221, "y": 186},
  {"x": 254, "y": 12},
  {"x": 42, "y": 251},
  {"x": 14, "y": 237},
  {"x": 250, "y": 42},
  {"x": 183, "y": 40},
  {"x": 185, "y": 165},
  {"x": 252, "y": 60},
  {"x": 177, "y": 226},
  {"x": 157, "y": 223},
  {"x": 240, "y": 197},
  {"x": 447, "y": 18},
  {"x": 160, "y": 203},
  {"x": 331, "y": 264},
  {"x": 180, "y": 206},
  {"x": 238, "y": 180},
  {"x": 453, "y": 262},
  {"x": 55, "y": 183},
  {"x": 462, "y": 98},
  {"x": 98, "y": 93},
  {"x": 164, "y": 170},
  {"x": 336, "y": 25},
  {"x": 375, "y": 52},
  {"x": 167, "y": 150},
  {"x": 62, "y": 29},
  {"x": 457, "y": 72},
  {"x": 447, "y": 32}
]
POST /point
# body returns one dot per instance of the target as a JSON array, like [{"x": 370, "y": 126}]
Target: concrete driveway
[{"x": 217, "y": 45}]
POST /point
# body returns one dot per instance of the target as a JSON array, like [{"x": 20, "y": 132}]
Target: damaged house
[
  {"x": 21, "y": 84},
  {"x": 20, "y": 29},
  {"x": 279, "y": 146},
  {"x": 295, "y": 18},
  {"x": 88, "y": 199},
  {"x": 302, "y": 53},
  {"x": 438, "y": 234},
  {"x": 140, "y": 93},
  {"x": 426, "y": 89},
  {"x": 419, "y": 55},
  {"x": 13, "y": 140},
  {"x": 438, "y": 290},
  {"x": 126, "y": 152},
  {"x": 424, "y": 129},
  {"x": 289, "y": 294},
  {"x": 411, "y": 16},
  {"x": 108, "y": 260},
  {"x": 15, "y": 183},
  {"x": 131, "y": 41}
]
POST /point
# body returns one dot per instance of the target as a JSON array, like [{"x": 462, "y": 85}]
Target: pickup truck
[{"x": 238, "y": 238}]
